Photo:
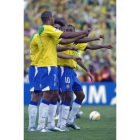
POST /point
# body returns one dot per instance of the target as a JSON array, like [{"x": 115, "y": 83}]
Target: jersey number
[{"x": 67, "y": 80}]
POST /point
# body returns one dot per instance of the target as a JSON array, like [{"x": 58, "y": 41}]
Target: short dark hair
[
  {"x": 70, "y": 25},
  {"x": 45, "y": 15},
  {"x": 59, "y": 22}
]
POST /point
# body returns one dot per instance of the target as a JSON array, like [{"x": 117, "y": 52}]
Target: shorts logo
[
  {"x": 67, "y": 86},
  {"x": 40, "y": 86}
]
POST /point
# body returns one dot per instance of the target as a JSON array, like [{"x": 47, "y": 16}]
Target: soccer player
[
  {"x": 59, "y": 25},
  {"x": 47, "y": 38},
  {"x": 69, "y": 82},
  {"x": 36, "y": 94}
]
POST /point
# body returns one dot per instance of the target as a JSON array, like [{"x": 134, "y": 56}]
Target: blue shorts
[
  {"x": 49, "y": 78},
  {"x": 68, "y": 80},
  {"x": 34, "y": 86}
]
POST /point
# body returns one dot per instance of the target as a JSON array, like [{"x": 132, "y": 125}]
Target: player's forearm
[
  {"x": 60, "y": 49},
  {"x": 86, "y": 39},
  {"x": 95, "y": 47},
  {"x": 81, "y": 64},
  {"x": 67, "y": 41},
  {"x": 72, "y": 34},
  {"x": 64, "y": 56}
]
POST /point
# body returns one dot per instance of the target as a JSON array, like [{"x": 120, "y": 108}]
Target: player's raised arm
[
  {"x": 67, "y": 41},
  {"x": 89, "y": 39},
  {"x": 96, "y": 47},
  {"x": 74, "y": 34},
  {"x": 66, "y": 56},
  {"x": 81, "y": 64},
  {"x": 60, "y": 49}
]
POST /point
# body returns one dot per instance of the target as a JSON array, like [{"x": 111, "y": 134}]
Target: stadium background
[{"x": 100, "y": 15}]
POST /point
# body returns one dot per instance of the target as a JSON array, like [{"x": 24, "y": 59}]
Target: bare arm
[
  {"x": 66, "y": 56},
  {"x": 86, "y": 39},
  {"x": 67, "y": 41},
  {"x": 81, "y": 64},
  {"x": 89, "y": 39},
  {"x": 95, "y": 47},
  {"x": 60, "y": 49},
  {"x": 74, "y": 34}
]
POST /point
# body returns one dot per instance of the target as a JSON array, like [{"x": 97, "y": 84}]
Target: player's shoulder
[
  {"x": 33, "y": 37},
  {"x": 48, "y": 27},
  {"x": 44, "y": 28}
]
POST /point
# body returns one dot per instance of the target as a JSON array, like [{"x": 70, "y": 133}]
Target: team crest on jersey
[{"x": 67, "y": 86}]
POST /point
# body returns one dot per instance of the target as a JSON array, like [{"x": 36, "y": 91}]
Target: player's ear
[{"x": 49, "y": 18}]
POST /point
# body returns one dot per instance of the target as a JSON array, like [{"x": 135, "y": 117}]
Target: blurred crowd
[{"x": 99, "y": 15}]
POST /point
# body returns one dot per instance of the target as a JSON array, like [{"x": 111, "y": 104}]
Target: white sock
[
  {"x": 74, "y": 111},
  {"x": 51, "y": 115},
  {"x": 65, "y": 113},
  {"x": 43, "y": 113},
  {"x": 60, "y": 115},
  {"x": 32, "y": 111}
]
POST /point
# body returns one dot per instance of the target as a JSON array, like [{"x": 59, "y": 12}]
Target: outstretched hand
[
  {"x": 87, "y": 31},
  {"x": 108, "y": 46},
  {"x": 101, "y": 36},
  {"x": 74, "y": 48},
  {"x": 90, "y": 76}
]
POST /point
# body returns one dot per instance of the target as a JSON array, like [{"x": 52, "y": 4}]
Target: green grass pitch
[{"x": 104, "y": 129}]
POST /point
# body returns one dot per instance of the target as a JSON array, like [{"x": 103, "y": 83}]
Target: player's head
[
  {"x": 58, "y": 24},
  {"x": 47, "y": 18},
  {"x": 69, "y": 28}
]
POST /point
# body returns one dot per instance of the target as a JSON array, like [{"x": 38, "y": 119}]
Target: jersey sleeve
[
  {"x": 33, "y": 37},
  {"x": 51, "y": 31},
  {"x": 82, "y": 46},
  {"x": 56, "y": 40}
]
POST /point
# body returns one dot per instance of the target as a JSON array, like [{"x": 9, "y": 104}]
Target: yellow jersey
[
  {"x": 33, "y": 49},
  {"x": 70, "y": 62},
  {"x": 47, "y": 38}
]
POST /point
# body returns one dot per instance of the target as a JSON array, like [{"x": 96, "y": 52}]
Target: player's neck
[{"x": 47, "y": 23}]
